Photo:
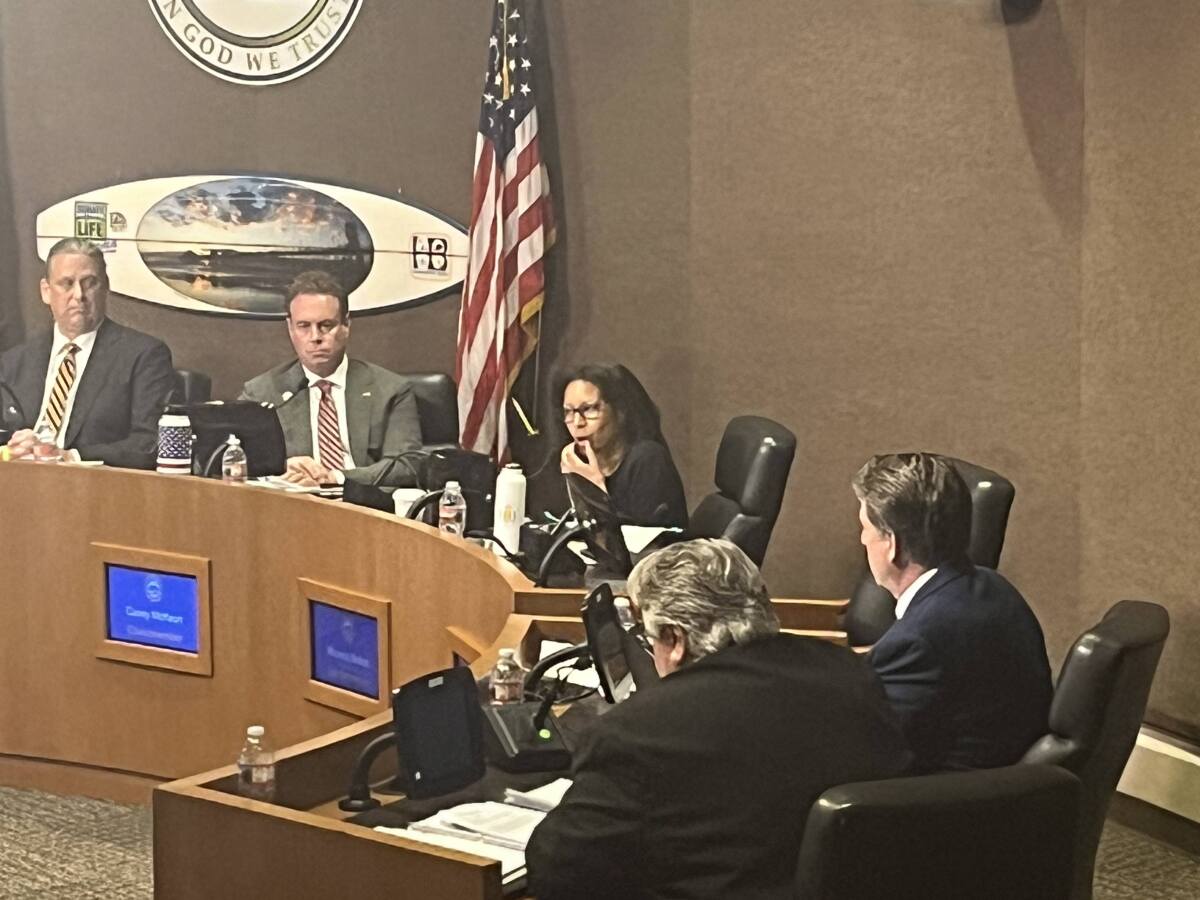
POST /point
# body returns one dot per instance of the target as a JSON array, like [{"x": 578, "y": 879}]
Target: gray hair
[
  {"x": 82, "y": 247},
  {"x": 709, "y": 589}
]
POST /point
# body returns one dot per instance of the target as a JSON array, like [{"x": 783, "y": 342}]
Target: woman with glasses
[{"x": 616, "y": 442}]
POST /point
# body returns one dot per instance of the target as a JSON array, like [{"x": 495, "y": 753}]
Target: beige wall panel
[
  {"x": 620, "y": 291},
  {"x": 1141, "y": 325},
  {"x": 885, "y": 256}
]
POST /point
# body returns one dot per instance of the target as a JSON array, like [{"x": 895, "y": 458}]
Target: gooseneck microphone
[{"x": 300, "y": 391}]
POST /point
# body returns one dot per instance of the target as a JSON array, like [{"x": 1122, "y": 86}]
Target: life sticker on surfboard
[{"x": 231, "y": 244}]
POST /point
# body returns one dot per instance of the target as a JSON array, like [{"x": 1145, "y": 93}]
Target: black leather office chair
[
  {"x": 872, "y": 610},
  {"x": 989, "y": 834},
  {"x": 437, "y": 406},
  {"x": 753, "y": 462},
  {"x": 1097, "y": 710},
  {"x": 191, "y": 387}
]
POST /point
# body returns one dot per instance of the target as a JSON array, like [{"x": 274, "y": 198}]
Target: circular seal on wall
[{"x": 261, "y": 42}]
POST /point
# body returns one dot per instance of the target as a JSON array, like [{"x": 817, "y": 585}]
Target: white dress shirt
[
  {"x": 85, "y": 343},
  {"x": 338, "y": 393},
  {"x": 911, "y": 591}
]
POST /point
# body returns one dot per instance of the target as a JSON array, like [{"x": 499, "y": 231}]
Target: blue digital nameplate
[
  {"x": 345, "y": 649},
  {"x": 154, "y": 609}
]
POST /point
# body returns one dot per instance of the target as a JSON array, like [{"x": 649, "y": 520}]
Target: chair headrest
[
  {"x": 437, "y": 406},
  {"x": 991, "y": 499},
  {"x": 1104, "y": 683},
  {"x": 753, "y": 462}
]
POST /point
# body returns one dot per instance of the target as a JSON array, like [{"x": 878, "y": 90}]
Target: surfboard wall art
[{"x": 231, "y": 244}]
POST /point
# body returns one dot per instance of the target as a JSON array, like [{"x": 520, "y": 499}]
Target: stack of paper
[
  {"x": 512, "y": 862},
  {"x": 493, "y": 830},
  {"x": 544, "y": 798}
]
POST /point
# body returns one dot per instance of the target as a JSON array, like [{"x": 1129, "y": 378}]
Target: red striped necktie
[{"x": 330, "y": 450}]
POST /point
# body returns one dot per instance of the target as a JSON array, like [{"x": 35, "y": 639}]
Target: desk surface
[{"x": 74, "y": 722}]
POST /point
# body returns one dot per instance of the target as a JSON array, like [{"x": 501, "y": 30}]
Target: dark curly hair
[{"x": 637, "y": 417}]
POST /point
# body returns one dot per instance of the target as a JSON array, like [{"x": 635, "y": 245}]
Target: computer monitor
[
  {"x": 345, "y": 649},
  {"x": 152, "y": 608},
  {"x": 620, "y": 661},
  {"x": 256, "y": 426},
  {"x": 594, "y": 511}
]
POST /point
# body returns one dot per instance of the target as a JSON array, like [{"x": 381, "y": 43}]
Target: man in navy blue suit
[{"x": 965, "y": 664}]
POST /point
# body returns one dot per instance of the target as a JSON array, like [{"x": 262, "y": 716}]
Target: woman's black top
[{"x": 646, "y": 488}]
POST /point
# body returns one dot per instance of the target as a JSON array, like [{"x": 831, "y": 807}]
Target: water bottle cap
[
  {"x": 255, "y": 731},
  {"x": 514, "y": 466},
  {"x": 621, "y": 601},
  {"x": 452, "y": 486},
  {"x": 233, "y": 441},
  {"x": 508, "y": 653}
]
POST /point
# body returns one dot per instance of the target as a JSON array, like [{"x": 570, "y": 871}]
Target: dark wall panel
[{"x": 393, "y": 109}]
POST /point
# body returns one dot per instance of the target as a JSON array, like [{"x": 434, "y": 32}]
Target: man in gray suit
[{"x": 343, "y": 419}]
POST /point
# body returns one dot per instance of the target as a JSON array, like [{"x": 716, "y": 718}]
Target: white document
[
  {"x": 638, "y": 537},
  {"x": 584, "y": 678},
  {"x": 497, "y": 822},
  {"x": 512, "y": 862},
  {"x": 544, "y": 798},
  {"x": 276, "y": 482}
]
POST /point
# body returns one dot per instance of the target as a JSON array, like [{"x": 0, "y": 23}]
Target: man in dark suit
[
  {"x": 964, "y": 666},
  {"x": 699, "y": 787},
  {"x": 89, "y": 388},
  {"x": 342, "y": 418}
]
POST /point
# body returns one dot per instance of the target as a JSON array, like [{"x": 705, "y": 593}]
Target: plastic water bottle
[
  {"x": 507, "y": 680},
  {"x": 624, "y": 612},
  {"x": 233, "y": 461},
  {"x": 452, "y": 510},
  {"x": 256, "y": 766},
  {"x": 510, "y": 508},
  {"x": 47, "y": 449},
  {"x": 174, "y": 444}
]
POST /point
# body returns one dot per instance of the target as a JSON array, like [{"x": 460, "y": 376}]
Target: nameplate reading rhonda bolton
[{"x": 256, "y": 43}]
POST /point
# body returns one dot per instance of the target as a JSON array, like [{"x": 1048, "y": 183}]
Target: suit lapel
[
  {"x": 359, "y": 381},
  {"x": 104, "y": 354},
  {"x": 294, "y": 412},
  {"x": 31, "y": 384}
]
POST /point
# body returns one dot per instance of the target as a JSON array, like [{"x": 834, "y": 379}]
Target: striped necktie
[
  {"x": 56, "y": 408},
  {"x": 330, "y": 449}
]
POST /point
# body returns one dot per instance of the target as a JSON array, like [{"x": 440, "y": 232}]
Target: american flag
[{"x": 511, "y": 229}]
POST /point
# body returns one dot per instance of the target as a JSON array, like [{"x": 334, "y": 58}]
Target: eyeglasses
[
  {"x": 590, "y": 411},
  {"x": 638, "y": 633}
]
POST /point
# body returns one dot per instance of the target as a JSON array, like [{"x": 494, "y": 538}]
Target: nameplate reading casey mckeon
[{"x": 158, "y": 609}]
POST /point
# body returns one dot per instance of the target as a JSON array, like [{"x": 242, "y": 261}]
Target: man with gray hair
[
  {"x": 700, "y": 786},
  {"x": 89, "y": 388}
]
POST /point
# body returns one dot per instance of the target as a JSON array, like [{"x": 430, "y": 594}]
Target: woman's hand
[{"x": 587, "y": 467}]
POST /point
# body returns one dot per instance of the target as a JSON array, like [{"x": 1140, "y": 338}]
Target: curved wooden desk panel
[{"x": 61, "y": 704}]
